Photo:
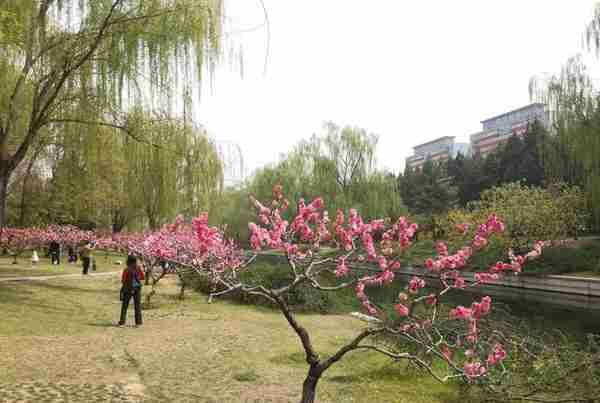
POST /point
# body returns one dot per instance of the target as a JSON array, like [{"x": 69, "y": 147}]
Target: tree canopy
[
  {"x": 574, "y": 101},
  {"x": 87, "y": 62}
]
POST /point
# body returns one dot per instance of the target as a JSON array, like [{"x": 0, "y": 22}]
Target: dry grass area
[
  {"x": 104, "y": 263},
  {"x": 58, "y": 342}
]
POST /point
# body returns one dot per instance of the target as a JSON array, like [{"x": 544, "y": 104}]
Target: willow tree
[
  {"x": 176, "y": 169},
  {"x": 572, "y": 151},
  {"x": 340, "y": 166},
  {"x": 85, "y": 61}
]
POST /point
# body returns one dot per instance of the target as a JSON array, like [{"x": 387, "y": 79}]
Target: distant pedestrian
[
  {"x": 86, "y": 256},
  {"x": 92, "y": 258},
  {"x": 54, "y": 250},
  {"x": 72, "y": 255},
  {"x": 34, "y": 258},
  {"x": 131, "y": 287}
]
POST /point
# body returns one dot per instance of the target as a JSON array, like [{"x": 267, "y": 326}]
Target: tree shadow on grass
[{"x": 395, "y": 373}]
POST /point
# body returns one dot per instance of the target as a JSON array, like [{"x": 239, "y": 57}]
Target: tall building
[
  {"x": 498, "y": 129},
  {"x": 438, "y": 150}
]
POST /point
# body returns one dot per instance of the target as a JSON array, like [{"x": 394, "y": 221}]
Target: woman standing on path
[{"x": 131, "y": 281}]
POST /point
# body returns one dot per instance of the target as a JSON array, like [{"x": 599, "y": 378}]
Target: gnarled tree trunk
[{"x": 309, "y": 387}]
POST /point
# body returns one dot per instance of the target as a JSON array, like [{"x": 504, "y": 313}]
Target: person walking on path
[
  {"x": 72, "y": 255},
  {"x": 34, "y": 257},
  {"x": 86, "y": 256},
  {"x": 54, "y": 250},
  {"x": 131, "y": 281}
]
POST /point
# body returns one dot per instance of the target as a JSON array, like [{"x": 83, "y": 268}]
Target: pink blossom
[
  {"x": 474, "y": 370},
  {"x": 497, "y": 355},
  {"x": 386, "y": 277},
  {"x": 481, "y": 308},
  {"x": 486, "y": 277},
  {"x": 429, "y": 263},
  {"x": 401, "y": 309},
  {"x": 415, "y": 284},
  {"x": 460, "y": 312}
]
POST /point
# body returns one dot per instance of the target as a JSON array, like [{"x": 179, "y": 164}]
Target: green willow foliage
[
  {"x": 340, "y": 166},
  {"x": 88, "y": 62},
  {"x": 104, "y": 178},
  {"x": 178, "y": 170},
  {"x": 574, "y": 101}
]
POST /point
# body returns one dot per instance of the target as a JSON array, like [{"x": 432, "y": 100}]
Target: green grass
[
  {"x": 104, "y": 263},
  {"x": 61, "y": 331}
]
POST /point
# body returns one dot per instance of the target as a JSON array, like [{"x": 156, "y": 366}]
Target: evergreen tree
[{"x": 424, "y": 192}]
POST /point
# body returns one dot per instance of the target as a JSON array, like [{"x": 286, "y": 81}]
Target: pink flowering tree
[
  {"x": 69, "y": 235},
  {"x": 196, "y": 248},
  {"x": 367, "y": 255},
  {"x": 18, "y": 240}
]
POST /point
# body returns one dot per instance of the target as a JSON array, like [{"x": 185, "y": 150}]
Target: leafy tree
[
  {"x": 339, "y": 164},
  {"x": 533, "y": 213},
  {"x": 572, "y": 154},
  {"x": 468, "y": 177},
  {"x": 519, "y": 159},
  {"x": 424, "y": 192},
  {"x": 510, "y": 158},
  {"x": 87, "y": 69}
]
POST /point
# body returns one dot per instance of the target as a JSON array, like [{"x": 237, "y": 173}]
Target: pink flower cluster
[
  {"x": 17, "y": 240},
  {"x": 310, "y": 225},
  {"x": 477, "y": 310},
  {"x": 198, "y": 245},
  {"x": 475, "y": 369},
  {"x": 459, "y": 260},
  {"x": 497, "y": 355}
]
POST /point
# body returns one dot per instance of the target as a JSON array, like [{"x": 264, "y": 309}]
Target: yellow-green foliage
[{"x": 530, "y": 213}]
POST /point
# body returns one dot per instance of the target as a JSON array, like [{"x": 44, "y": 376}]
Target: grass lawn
[
  {"x": 104, "y": 263},
  {"x": 58, "y": 342}
]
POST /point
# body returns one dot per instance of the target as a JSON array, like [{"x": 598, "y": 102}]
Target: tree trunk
[
  {"x": 23, "y": 209},
  {"x": 309, "y": 387},
  {"x": 3, "y": 193}
]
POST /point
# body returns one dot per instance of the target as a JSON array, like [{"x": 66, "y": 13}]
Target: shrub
[{"x": 533, "y": 213}]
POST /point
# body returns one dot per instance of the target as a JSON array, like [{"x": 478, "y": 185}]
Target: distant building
[
  {"x": 438, "y": 150},
  {"x": 498, "y": 129}
]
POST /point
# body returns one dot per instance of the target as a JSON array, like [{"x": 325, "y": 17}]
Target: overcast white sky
[{"x": 409, "y": 71}]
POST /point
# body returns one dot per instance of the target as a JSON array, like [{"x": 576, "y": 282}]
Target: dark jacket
[{"x": 54, "y": 247}]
